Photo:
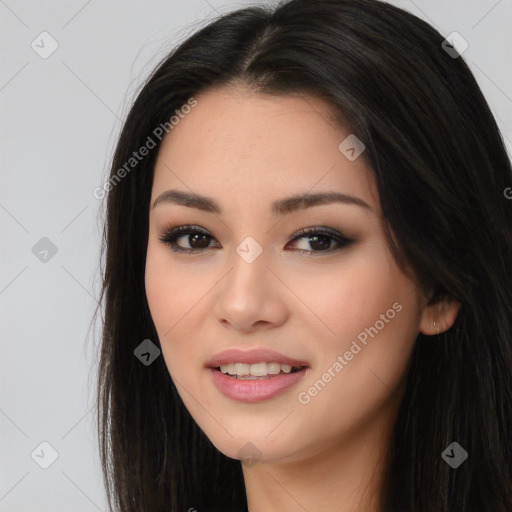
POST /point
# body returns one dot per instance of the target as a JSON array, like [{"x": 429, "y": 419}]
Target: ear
[{"x": 444, "y": 312}]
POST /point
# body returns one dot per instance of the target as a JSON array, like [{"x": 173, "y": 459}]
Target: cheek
[
  {"x": 170, "y": 298},
  {"x": 341, "y": 300},
  {"x": 159, "y": 293},
  {"x": 369, "y": 314},
  {"x": 170, "y": 295},
  {"x": 177, "y": 295}
]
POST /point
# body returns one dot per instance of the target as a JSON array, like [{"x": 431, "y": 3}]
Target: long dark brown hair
[{"x": 441, "y": 169}]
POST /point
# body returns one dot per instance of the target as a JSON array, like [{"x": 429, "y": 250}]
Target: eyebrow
[{"x": 279, "y": 207}]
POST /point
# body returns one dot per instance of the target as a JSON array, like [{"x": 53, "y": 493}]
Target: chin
[{"x": 254, "y": 445}]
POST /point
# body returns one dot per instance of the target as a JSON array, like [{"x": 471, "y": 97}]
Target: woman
[{"x": 307, "y": 282}]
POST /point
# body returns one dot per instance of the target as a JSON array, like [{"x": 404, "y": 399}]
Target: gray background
[{"x": 59, "y": 120}]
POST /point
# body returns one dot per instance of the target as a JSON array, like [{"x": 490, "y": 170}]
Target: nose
[{"x": 250, "y": 296}]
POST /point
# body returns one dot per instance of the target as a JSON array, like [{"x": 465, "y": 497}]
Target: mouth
[
  {"x": 248, "y": 388},
  {"x": 256, "y": 374}
]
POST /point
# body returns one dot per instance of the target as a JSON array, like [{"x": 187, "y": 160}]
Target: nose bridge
[
  {"x": 246, "y": 296},
  {"x": 249, "y": 263}
]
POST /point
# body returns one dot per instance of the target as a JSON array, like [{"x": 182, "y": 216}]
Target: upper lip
[{"x": 251, "y": 356}]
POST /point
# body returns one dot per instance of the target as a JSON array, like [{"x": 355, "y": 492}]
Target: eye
[
  {"x": 196, "y": 237},
  {"x": 319, "y": 239}
]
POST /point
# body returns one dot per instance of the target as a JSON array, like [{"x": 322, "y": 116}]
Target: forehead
[{"x": 238, "y": 141}]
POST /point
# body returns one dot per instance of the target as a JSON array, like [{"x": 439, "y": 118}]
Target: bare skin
[{"x": 326, "y": 450}]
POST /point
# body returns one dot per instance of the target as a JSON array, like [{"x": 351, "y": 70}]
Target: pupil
[
  {"x": 313, "y": 240},
  {"x": 195, "y": 237}
]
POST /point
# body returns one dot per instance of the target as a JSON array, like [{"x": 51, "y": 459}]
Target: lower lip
[{"x": 254, "y": 390}]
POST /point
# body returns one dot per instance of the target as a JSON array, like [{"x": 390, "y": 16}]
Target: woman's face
[{"x": 344, "y": 310}]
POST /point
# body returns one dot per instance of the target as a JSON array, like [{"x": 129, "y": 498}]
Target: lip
[
  {"x": 254, "y": 390},
  {"x": 252, "y": 356}
]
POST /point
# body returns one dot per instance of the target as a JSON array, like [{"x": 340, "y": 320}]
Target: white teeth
[
  {"x": 273, "y": 368},
  {"x": 256, "y": 369},
  {"x": 242, "y": 369},
  {"x": 286, "y": 368}
]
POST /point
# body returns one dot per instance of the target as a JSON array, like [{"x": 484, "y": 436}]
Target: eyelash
[{"x": 172, "y": 234}]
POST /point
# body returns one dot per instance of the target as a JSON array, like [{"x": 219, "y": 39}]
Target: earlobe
[{"x": 439, "y": 317}]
